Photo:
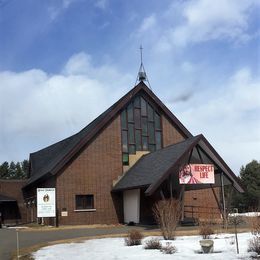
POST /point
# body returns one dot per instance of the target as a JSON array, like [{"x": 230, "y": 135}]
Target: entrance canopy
[{"x": 155, "y": 168}]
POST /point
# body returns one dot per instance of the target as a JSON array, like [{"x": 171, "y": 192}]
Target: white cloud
[
  {"x": 190, "y": 22},
  {"x": 38, "y": 109},
  {"x": 79, "y": 63},
  {"x": 102, "y": 4},
  {"x": 55, "y": 9},
  {"x": 209, "y": 20},
  {"x": 147, "y": 23},
  {"x": 229, "y": 116}
]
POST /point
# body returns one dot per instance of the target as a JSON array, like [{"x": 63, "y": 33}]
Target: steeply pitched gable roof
[
  {"x": 52, "y": 159},
  {"x": 153, "y": 168}
]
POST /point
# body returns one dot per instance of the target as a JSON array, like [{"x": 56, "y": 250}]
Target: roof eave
[{"x": 153, "y": 187}]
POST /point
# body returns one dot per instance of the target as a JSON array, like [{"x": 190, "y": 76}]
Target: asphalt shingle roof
[{"x": 151, "y": 167}]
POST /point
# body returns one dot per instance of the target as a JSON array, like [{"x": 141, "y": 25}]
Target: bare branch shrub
[
  {"x": 167, "y": 214},
  {"x": 168, "y": 249},
  {"x": 153, "y": 243},
  {"x": 254, "y": 245},
  {"x": 206, "y": 230},
  {"x": 134, "y": 238},
  {"x": 206, "y": 222},
  {"x": 254, "y": 223}
]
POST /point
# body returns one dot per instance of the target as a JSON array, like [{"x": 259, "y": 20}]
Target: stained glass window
[
  {"x": 125, "y": 159},
  {"x": 130, "y": 113},
  {"x": 150, "y": 113},
  {"x": 157, "y": 121},
  {"x": 143, "y": 107},
  {"x": 123, "y": 120},
  {"x": 158, "y": 136},
  {"x": 131, "y": 133},
  {"x": 138, "y": 140},
  {"x": 141, "y": 128}
]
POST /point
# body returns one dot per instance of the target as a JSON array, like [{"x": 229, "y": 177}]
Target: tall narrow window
[
  {"x": 123, "y": 120},
  {"x": 131, "y": 134},
  {"x": 130, "y": 113},
  {"x": 137, "y": 118},
  {"x": 145, "y": 143},
  {"x": 144, "y": 126},
  {"x": 137, "y": 102},
  {"x": 138, "y": 140},
  {"x": 151, "y": 133},
  {"x": 157, "y": 122},
  {"x": 124, "y": 141},
  {"x": 143, "y": 107},
  {"x": 158, "y": 136},
  {"x": 150, "y": 113}
]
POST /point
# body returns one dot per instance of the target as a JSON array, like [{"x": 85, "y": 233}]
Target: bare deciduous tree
[{"x": 167, "y": 214}]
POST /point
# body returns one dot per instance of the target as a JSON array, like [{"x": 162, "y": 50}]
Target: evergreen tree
[
  {"x": 25, "y": 168},
  {"x": 4, "y": 170},
  {"x": 19, "y": 171},
  {"x": 250, "y": 179},
  {"x": 12, "y": 171}
]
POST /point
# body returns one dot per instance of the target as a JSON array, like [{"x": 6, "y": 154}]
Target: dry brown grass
[{"x": 37, "y": 227}]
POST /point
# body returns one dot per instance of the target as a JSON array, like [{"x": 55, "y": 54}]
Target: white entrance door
[{"x": 132, "y": 206}]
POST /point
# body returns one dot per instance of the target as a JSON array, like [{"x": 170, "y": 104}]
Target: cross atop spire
[
  {"x": 141, "y": 52},
  {"x": 141, "y": 73}
]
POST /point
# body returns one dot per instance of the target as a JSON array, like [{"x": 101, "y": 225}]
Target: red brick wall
[
  {"x": 170, "y": 134},
  {"x": 204, "y": 204},
  {"x": 13, "y": 189},
  {"x": 93, "y": 172}
]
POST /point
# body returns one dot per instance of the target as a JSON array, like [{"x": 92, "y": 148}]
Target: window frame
[{"x": 81, "y": 207}]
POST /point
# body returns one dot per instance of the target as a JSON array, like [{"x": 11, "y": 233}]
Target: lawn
[{"x": 114, "y": 249}]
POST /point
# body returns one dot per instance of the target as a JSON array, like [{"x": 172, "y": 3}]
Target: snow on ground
[
  {"x": 246, "y": 214},
  {"x": 17, "y": 227},
  {"x": 115, "y": 249}
]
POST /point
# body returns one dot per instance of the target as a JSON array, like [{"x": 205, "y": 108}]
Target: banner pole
[{"x": 224, "y": 202}]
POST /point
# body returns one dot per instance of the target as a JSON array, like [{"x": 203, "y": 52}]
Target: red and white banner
[{"x": 197, "y": 174}]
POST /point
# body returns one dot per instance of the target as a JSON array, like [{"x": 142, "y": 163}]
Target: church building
[{"x": 119, "y": 165}]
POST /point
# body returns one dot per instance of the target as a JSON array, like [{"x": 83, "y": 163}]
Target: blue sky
[{"x": 63, "y": 62}]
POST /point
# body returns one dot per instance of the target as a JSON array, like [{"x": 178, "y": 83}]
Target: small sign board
[
  {"x": 46, "y": 202},
  {"x": 64, "y": 213},
  {"x": 197, "y": 174}
]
